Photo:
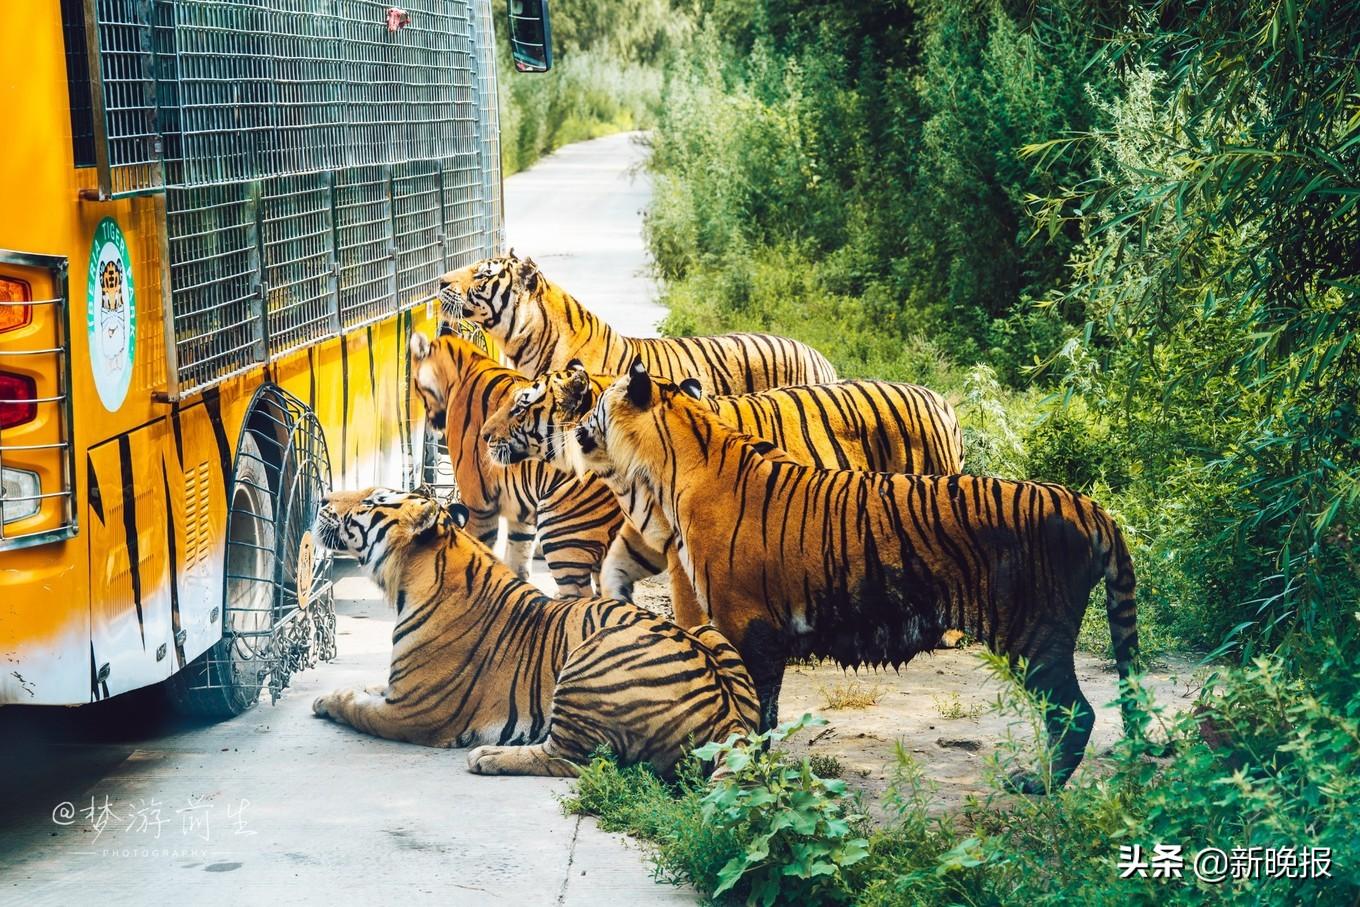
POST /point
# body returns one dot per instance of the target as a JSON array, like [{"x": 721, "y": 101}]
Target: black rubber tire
[{"x": 235, "y": 690}]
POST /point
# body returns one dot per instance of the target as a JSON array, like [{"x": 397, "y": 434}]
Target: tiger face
[
  {"x": 541, "y": 417},
  {"x": 611, "y": 429},
  {"x": 488, "y": 292},
  {"x": 433, "y": 376},
  {"x": 376, "y": 523}
]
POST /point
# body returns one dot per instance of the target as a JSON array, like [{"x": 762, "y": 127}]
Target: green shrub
[
  {"x": 584, "y": 96},
  {"x": 799, "y": 839}
]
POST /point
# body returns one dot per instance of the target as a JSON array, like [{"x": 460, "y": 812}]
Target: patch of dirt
[{"x": 941, "y": 707}]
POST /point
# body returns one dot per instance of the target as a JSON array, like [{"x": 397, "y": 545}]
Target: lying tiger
[
  {"x": 540, "y": 328},
  {"x": 481, "y": 657},
  {"x": 460, "y": 385},
  {"x": 872, "y": 425},
  {"x": 871, "y": 568}
]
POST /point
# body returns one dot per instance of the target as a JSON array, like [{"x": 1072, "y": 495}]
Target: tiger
[
  {"x": 537, "y": 685},
  {"x": 871, "y": 425},
  {"x": 789, "y": 560},
  {"x": 540, "y": 328},
  {"x": 575, "y": 519}
]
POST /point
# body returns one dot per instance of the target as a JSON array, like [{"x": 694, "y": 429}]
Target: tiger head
[
  {"x": 111, "y": 287},
  {"x": 437, "y": 367},
  {"x": 490, "y": 293},
  {"x": 541, "y": 417},
  {"x": 380, "y": 527},
  {"x": 610, "y": 436}
]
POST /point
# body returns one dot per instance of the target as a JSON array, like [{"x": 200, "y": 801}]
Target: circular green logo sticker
[{"x": 111, "y": 314}]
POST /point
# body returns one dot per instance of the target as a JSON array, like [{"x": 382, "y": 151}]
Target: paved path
[
  {"x": 578, "y": 214},
  {"x": 278, "y": 807}
]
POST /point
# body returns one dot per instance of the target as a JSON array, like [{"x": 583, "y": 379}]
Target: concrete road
[
  {"x": 578, "y": 214},
  {"x": 115, "y": 803}
]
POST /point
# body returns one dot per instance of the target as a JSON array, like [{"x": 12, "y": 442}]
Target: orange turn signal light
[{"x": 13, "y": 311}]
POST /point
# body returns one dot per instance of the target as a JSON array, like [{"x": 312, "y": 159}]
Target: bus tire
[{"x": 226, "y": 680}]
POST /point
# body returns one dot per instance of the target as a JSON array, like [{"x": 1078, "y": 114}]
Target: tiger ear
[
  {"x": 526, "y": 272},
  {"x": 639, "y": 385},
  {"x": 511, "y": 254},
  {"x": 459, "y": 514},
  {"x": 420, "y": 346},
  {"x": 692, "y": 388},
  {"x": 426, "y": 516},
  {"x": 576, "y": 398},
  {"x": 576, "y": 365}
]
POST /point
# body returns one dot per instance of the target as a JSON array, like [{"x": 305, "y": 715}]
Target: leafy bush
[
  {"x": 769, "y": 831},
  {"x": 1265, "y": 760},
  {"x": 583, "y": 96},
  {"x": 799, "y": 839}
]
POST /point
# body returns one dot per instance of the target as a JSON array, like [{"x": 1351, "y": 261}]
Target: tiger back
[
  {"x": 541, "y": 328},
  {"x": 480, "y": 657},
  {"x": 867, "y": 425}
]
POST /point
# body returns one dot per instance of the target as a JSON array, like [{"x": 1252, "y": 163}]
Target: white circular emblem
[{"x": 111, "y": 314}]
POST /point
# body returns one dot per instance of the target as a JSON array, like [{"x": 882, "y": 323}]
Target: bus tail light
[
  {"x": 18, "y": 400},
  {"x": 20, "y": 494},
  {"x": 13, "y": 311}
]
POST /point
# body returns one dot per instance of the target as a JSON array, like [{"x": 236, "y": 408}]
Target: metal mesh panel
[
  {"x": 490, "y": 123},
  {"x": 127, "y": 77},
  {"x": 215, "y": 270},
  {"x": 346, "y": 143},
  {"x": 418, "y": 228},
  {"x": 307, "y": 66},
  {"x": 299, "y": 260},
  {"x": 464, "y": 232},
  {"x": 78, "y": 81},
  {"x": 363, "y": 245},
  {"x": 218, "y": 90}
]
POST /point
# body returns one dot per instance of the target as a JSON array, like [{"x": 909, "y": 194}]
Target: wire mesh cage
[
  {"x": 321, "y": 170},
  {"x": 278, "y": 612}
]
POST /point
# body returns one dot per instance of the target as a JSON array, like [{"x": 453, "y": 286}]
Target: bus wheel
[
  {"x": 225, "y": 680},
  {"x": 278, "y": 608}
]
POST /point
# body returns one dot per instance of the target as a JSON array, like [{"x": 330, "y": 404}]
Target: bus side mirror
[{"x": 530, "y": 35}]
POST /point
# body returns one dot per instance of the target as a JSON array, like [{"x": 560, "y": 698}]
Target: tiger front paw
[
  {"x": 323, "y": 706},
  {"x": 479, "y": 760}
]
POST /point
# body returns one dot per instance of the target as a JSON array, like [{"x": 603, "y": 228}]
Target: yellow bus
[{"x": 223, "y": 220}]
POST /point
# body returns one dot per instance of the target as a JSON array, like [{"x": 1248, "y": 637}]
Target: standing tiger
[
  {"x": 576, "y": 519},
  {"x": 871, "y": 425},
  {"x": 481, "y": 657},
  {"x": 871, "y": 568},
  {"x": 541, "y": 328}
]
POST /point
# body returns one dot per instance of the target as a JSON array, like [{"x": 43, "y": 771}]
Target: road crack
[{"x": 571, "y": 858}]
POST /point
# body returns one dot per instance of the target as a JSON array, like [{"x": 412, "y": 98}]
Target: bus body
[{"x": 223, "y": 222}]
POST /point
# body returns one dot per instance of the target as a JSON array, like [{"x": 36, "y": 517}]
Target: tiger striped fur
[
  {"x": 870, "y": 568},
  {"x": 481, "y": 657},
  {"x": 871, "y": 425},
  {"x": 574, "y": 518},
  {"x": 540, "y": 328}
]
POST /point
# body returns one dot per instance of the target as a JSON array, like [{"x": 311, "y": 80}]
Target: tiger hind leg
[
  {"x": 538, "y": 759},
  {"x": 1068, "y": 719}
]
